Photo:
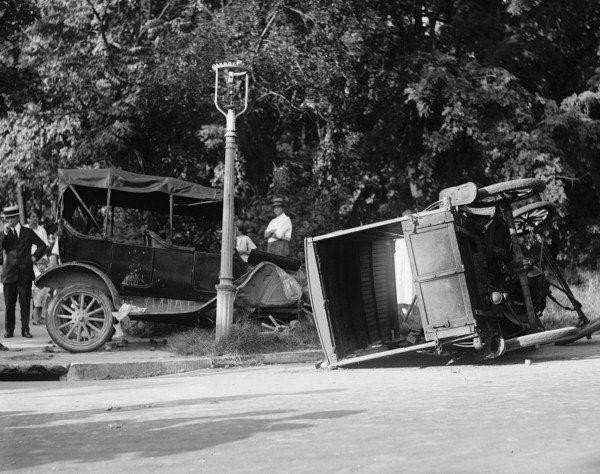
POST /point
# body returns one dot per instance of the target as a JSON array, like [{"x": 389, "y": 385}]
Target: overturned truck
[{"x": 469, "y": 275}]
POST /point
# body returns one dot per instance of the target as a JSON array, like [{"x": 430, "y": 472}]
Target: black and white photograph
[{"x": 299, "y": 236}]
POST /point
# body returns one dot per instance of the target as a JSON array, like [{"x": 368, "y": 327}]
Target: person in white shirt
[
  {"x": 39, "y": 295},
  {"x": 243, "y": 243},
  {"x": 34, "y": 224},
  {"x": 279, "y": 231}
]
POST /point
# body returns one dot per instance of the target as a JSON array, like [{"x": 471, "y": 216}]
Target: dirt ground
[
  {"x": 414, "y": 414},
  {"x": 39, "y": 333}
]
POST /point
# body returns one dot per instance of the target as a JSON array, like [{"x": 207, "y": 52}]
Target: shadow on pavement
[
  {"x": 579, "y": 350},
  {"x": 19, "y": 418},
  {"x": 30, "y": 440}
]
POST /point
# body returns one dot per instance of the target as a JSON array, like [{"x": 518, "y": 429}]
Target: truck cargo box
[{"x": 389, "y": 287}]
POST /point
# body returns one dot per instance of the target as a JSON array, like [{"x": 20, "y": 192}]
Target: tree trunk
[{"x": 21, "y": 204}]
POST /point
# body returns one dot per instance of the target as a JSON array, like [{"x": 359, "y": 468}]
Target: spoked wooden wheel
[
  {"x": 532, "y": 217},
  {"x": 80, "y": 318},
  {"x": 508, "y": 191}
]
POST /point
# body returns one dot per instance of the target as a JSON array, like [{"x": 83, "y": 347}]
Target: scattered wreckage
[
  {"x": 469, "y": 275},
  {"x": 104, "y": 276}
]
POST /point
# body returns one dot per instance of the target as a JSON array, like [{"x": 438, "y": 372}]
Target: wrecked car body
[
  {"x": 456, "y": 279},
  {"x": 111, "y": 260}
]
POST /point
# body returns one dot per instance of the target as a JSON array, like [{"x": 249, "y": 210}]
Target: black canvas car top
[
  {"x": 141, "y": 191},
  {"x": 134, "y": 183}
]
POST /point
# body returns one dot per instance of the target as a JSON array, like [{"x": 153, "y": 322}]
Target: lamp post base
[{"x": 225, "y": 297}]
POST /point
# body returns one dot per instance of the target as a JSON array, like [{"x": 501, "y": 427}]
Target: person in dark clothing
[{"x": 17, "y": 268}]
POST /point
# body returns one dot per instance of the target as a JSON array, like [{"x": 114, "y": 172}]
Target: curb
[
  {"x": 141, "y": 369},
  {"x": 295, "y": 357},
  {"x": 134, "y": 370},
  {"x": 73, "y": 371}
]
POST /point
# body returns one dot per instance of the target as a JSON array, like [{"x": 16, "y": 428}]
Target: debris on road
[{"x": 276, "y": 326}]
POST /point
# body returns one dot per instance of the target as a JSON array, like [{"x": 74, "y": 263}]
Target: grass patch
[
  {"x": 586, "y": 289},
  {"x": 246, "y": 337}
]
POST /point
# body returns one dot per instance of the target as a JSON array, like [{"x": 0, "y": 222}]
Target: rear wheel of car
[
  {"x": 80, "y": 318},
  {"x": 534, "y": 216}
]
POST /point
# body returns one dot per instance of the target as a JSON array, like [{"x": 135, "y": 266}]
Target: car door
[
  {"x": 206, "y": 272},
  {"x": 131, "y": 268},
  {"x": 172, "y": 274}
]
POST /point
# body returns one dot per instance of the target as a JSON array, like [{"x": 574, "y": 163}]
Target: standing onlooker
[
  {"x": 279, "y": 231},
  {"x": 39, "y": 294},
  {"x": 17, "y": 269},
  {"x": 243, "y": 243},
  {"x": 34, "y": 224}
]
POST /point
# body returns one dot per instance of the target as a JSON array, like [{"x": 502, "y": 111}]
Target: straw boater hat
[
  {"x": 10, "y": 211},
  {"x": 277, "y": 202}
]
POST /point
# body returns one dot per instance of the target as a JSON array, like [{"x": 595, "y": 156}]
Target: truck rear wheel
[
  {"x": 80, "y": 318},
  {"x": 534, "y": 216}
]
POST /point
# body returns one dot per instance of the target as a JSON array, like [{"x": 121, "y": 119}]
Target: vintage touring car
[
  {"x": 110, "y": 257},
  {"x": 470, "y": 276}
]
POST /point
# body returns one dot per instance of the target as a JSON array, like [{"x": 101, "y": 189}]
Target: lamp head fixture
[{"x": 231, "y": 87}]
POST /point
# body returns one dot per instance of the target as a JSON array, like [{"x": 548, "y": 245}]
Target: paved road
[{"x": 419, "y": 417}]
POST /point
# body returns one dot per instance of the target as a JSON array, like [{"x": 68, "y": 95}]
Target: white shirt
[
  {"x": 282, "y": 225},
  {"x": 243, "y": 243}
]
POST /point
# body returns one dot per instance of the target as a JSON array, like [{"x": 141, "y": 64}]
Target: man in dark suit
[{"x": 17, "y": 268}]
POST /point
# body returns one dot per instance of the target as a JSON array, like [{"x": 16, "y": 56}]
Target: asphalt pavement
[{"x": 531, "y": 412}]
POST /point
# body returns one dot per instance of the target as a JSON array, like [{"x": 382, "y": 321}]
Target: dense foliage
[{"x": 359, "y": 109}]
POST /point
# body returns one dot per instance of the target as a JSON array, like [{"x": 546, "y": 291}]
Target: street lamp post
[{"x": 231, "y": 99}]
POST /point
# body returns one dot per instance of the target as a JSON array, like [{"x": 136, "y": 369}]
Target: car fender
[{"x": 79, "y": 273}]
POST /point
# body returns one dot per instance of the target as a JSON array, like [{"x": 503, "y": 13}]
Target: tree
[{"x": 359, "y": 109}]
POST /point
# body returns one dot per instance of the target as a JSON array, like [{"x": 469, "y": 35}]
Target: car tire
[
  {"x": 80, "y": 318},
  {"x": 511, "y": 191},
  {"x": 533, "y": 217}
]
